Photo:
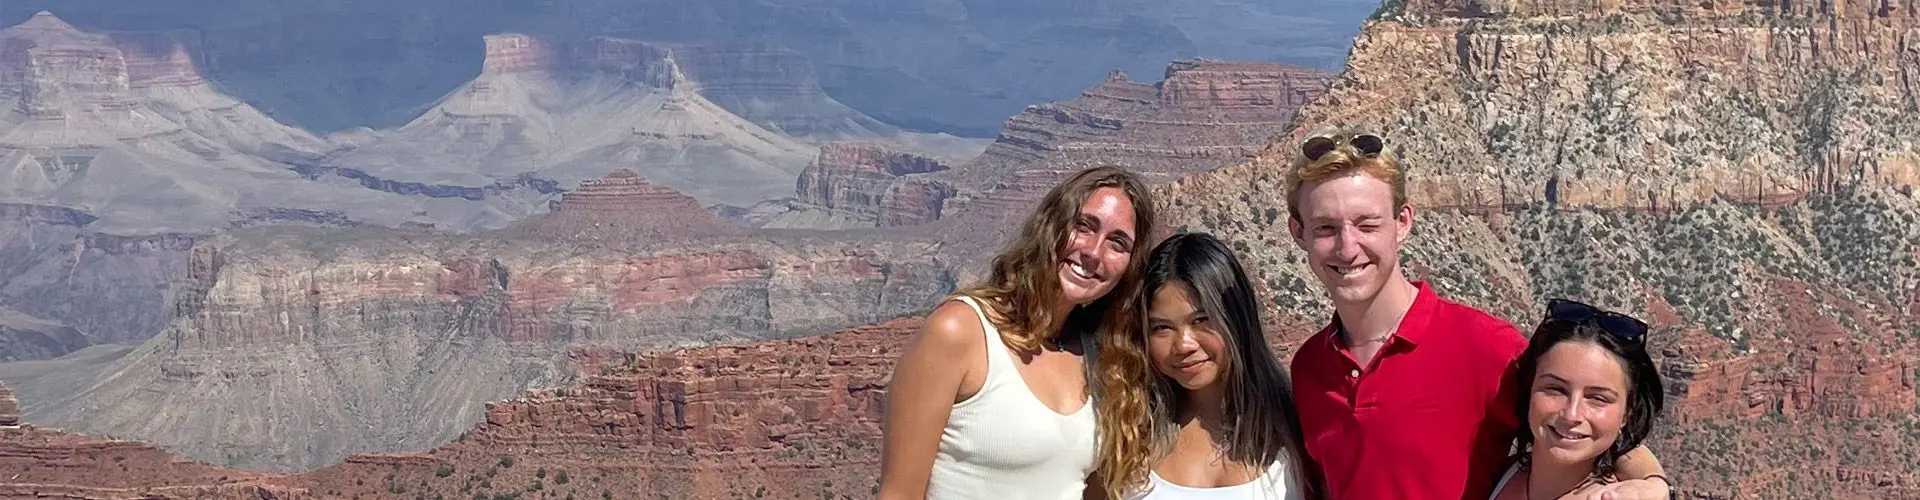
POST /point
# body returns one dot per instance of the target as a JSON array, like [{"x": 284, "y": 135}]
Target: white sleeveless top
[
  {"x": 1003, "y": 443},
  {"x": 1274, "y": 484}
]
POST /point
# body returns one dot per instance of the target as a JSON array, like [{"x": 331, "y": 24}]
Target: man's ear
[
  {"x": 1294, "y": 228},
  {"x": 1404, "y": 222}
]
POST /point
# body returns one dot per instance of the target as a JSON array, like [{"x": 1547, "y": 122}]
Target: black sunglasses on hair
[
  {"x": 1619, "y": 325},
  {"x": 1368, "y": 144}
]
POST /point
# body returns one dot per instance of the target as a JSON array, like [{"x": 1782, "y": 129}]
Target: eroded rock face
[
  {"x": 417, "y": 330},
  {"x": 858, "y": 179},
  {"x": 9, "y": 407},
  {"x": 1203, "y": 115}
]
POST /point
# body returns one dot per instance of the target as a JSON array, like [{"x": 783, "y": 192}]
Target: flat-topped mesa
[
  {"x": 857, "y": 178},
  {"x": 1258, "y": 88},
  {"x": 650, "y": 64},
  {"x": 158, "y": 60},
  {"x": 625, "y": 206},
  {"x": 9, "y": 407},
  {"x": 61, "y": 80},
  {"x": 515, "y": 53}
]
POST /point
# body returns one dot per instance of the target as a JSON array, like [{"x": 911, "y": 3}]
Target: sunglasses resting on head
[
  {"x": 1367, "y": 144},
  {"x": 1619, "y": 325}
]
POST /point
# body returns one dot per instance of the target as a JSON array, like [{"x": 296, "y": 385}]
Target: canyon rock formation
[
  {"x": 386, "y": 339},
  {"x": 123, "y": 129},
  {"x": 547, "y": 112},
  {"x": 1202, "y": 115},
  {"x": 935, "y": 65},
  {"x": 9, "y": 407},
  {"x": 117, "y": 155}
]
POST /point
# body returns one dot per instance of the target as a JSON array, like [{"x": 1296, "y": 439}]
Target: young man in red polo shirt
[{"x": 1405, "y": 394}]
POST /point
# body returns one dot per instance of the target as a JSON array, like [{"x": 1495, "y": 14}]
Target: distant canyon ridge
[
  {"x": 371, "y": 291},
  {"x": 952, "y": 66}
]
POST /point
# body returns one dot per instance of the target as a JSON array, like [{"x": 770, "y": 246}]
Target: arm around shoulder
[
  {"x": 1641, "y": 478},
  {"x": 926, "y": 383}
]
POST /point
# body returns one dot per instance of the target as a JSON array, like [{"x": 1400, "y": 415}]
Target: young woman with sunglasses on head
[
  {"x": 1592, "y": 394},
  {"x": 1209, "y": 410}
]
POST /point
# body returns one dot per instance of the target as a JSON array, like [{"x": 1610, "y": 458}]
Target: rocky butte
[
  {"x": 392, "y": 339},
  {"x": 1203, "y": 114},
  {"x": 929, "y": 64},
  {"x": 546, "y": 111},
  {"x": 118, "y": 155}
]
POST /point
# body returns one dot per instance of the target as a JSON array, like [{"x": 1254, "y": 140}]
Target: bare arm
[
  {"x": 1636, "y": 471},
  {"x": 929, "y": 378}
]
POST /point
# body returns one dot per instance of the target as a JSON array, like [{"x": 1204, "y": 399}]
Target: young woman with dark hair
[
  {"x": 1213, "y": 416},
  {"x": 1592, "y": 394}
]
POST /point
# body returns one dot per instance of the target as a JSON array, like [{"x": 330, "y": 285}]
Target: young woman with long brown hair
[{"x": 991, "y": 397}]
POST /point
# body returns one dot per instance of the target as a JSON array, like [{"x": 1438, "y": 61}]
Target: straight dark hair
[
  {"x": 1263, "y": 424},
  {"x": 1646, "y": 395}
]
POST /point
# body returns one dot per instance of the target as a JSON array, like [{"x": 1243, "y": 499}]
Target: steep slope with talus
[
  {"x": 291, "y": 348},
  {"x": 116, "y": 154},
  {"x": 552, "y": 111},
  {"x": 123, "y": 128},
  {"x": 1724, "y": 170}
]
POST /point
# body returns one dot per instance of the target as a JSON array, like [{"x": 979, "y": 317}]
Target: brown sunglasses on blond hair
[{"x": 1368, "y": 145}]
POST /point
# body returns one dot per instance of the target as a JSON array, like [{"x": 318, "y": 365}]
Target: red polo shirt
[{"x": 1432, "y": 418}]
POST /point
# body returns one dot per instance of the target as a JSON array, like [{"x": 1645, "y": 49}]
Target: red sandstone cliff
[
  {"x": 782, "y": 419},
  {"x": 859, "y": 180},
  {"x": 623, "y": 205}
]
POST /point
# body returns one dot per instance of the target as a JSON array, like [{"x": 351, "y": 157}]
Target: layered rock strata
[
  {"x": 392, "y": 339},
  {"x": 9, "y": 407},
  {"x": 726, "y": 124},
  {"x": 857, "y": 181},
  {"x": 1202, "y": 115}
]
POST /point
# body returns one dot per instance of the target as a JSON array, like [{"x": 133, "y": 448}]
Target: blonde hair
[{"x": 1342, "y": 160}]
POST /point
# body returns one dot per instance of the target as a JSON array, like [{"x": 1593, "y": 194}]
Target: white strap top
[
  {"x": 1003, "y": 443},
  {"x": 1274, "y": 484}
]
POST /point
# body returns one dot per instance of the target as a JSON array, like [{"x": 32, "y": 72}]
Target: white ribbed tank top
[
  {"x": 1003, "y": 443},
  {"x": 1274, "y": 484}
]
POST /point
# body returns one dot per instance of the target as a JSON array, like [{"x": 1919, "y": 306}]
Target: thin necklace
[
  {"x": 1583, "y": 482},
  {"x": 1382, "y": 338}
]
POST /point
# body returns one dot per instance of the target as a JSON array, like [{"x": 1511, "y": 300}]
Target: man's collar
[{"x": 1413, "y": 325}]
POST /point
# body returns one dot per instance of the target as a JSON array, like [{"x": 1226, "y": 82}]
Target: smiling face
[
  {"x": 1351, "y": 231},
  {"x": 1577, "y": 404},
  {"x": 1099, "y": 246},
  {"x": 1182, "y": 342}
]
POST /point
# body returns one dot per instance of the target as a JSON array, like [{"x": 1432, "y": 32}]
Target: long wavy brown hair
[{"x": 1025, "y": 283}]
